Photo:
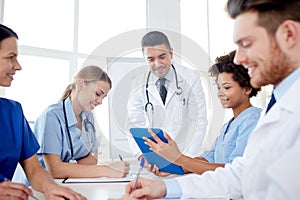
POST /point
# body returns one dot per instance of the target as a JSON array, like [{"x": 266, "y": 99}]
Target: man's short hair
[{"x": 154, "y": 38}]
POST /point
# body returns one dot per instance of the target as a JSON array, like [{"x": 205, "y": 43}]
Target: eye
[
  {"x": 10, "y": 57},
  {"x": 245, "y": 44},
  {"x": 98, "y": 94},
  {"x": 150, "y": 59},
  {"x": 162, "y": 56}
]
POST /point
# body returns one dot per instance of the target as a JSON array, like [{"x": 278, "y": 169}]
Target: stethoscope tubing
[
  {"x": 68, "y": 131},
  {"x": 69, "y": 134},
  {"x": 178, "y": 92}
]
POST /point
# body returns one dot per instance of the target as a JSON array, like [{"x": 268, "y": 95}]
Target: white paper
[{"x": 97, "y": 180}]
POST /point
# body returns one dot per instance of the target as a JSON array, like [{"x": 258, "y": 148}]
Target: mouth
[
  {"x": 11, "y": 76},
  {"x": 158, "y": 69},
  {"x": 224, "y": 101},
  {"x": 251, "y": 69},
  {"x": 93, "y": 106}
]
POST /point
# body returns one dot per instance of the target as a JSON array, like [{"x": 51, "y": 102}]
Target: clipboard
[
  {"x": 151, "y": 157},
  {"x": 97, "y": 180}
]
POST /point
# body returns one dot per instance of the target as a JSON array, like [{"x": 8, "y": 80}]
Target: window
[{"x": 56, "y": 37}]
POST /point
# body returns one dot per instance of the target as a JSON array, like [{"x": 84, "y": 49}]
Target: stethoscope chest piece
[{"x": 73, "y": 161}]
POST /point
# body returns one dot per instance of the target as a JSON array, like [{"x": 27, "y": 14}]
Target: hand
[
  {"x": 55, "y": 191},
  {"x": 10, "y": 190},
  {"x": 168, "y": 150},
  {"x": 118, "y": 169},
  {"x": 146, "y": 189},
  {"x": 145, "y": 161},
  {"x": 155, "y": 170}
]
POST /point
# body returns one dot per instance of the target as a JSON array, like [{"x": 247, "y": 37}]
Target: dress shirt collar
[{"x": 283, "y": 87}]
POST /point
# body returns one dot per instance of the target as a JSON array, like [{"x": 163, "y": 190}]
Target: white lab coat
[
  {"x": 269, "y": 169},
  {"x": 183, "y": 116}
]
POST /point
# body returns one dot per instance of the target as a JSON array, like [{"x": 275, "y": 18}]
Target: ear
[
  {"x": 248, "y": 91},
  {"x": 171, "y": 53},
  {"x": 80, "y": 83},
  {"x": 288, "y": 34}
]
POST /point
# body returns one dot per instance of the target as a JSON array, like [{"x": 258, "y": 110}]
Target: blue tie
[{"x": 271, "y": 103}]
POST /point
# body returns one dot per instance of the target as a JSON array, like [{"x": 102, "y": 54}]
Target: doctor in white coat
[
  {"x": 183, "y": 114},
  {"x": 269, "y": 168}
]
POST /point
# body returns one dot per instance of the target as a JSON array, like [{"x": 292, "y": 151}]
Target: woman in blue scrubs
[
  {"x": 234, "y": 92},
  {"x": 17, "y": 143},
  {"x": 66, "y": 130}
]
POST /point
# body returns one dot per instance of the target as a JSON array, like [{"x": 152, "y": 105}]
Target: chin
[{"x": 5, "y": 84}]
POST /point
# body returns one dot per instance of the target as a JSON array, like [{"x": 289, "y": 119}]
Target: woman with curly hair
[{"x": 234, "y": 92}]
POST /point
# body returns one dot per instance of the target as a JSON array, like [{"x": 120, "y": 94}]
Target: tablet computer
[{"x": 151, "y": 157}]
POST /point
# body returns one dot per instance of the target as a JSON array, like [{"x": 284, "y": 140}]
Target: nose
[
  {"x": 220, "y": 93},
  {"x": 157, "y": 63},
  {"x": 99, "y": 100},
  {"x": 240, "y": 57},
  {"x": 16, "y": 65}
]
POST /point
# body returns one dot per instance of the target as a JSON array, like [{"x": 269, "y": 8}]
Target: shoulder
[
  {"x": 186, "y": 71},
  {"x": 9, "y": 104},
  {"x": 52, "y": 110},
  {"x": 250, "y": 114},
  {"x": 253, "y": 111},
  {"x": 192, "y": 76}
]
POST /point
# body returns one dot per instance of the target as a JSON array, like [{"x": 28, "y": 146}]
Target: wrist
[
  {"x": 103, "y": 170},
  {"x": 179, "y": 159}
]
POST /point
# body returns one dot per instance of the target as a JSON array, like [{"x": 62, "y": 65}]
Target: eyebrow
[
  {"x": 100, "y": 90},
  {"x": 13, "y": 53},
  {"x": 163, "y": 54},
  {"x": 226, "y": 83},
  {"x": 239, "y": 41}
]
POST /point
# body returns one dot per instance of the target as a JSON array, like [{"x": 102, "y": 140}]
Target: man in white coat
[
  {"x": 182, "y": 113},
  {"x": 267, "y": 34}
]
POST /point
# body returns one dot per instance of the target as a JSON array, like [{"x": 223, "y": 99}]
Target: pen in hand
[
  {"x": 138, "y": 174},
  {"x": 121, "y": 158},
  {"x": 3, "y": 178}
]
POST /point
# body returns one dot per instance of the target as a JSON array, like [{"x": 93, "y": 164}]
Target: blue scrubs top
[
  {"x": 17, "y": 141},
  {"x": 51, "y": 133},
  {"x": 233, "y": 139}
]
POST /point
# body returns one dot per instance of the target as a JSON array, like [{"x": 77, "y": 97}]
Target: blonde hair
[{"x": 88, "y": 74}]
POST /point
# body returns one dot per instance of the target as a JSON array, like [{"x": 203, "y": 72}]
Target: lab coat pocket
[{"x": 181, "y": 113}]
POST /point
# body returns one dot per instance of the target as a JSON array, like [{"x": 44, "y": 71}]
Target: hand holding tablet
[{"x": 151, "y": 157}]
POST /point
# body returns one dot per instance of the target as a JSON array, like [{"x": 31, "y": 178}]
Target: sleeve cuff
[
  {"x": 3, "y": 178},
  {"x": 173, "y": 189}
]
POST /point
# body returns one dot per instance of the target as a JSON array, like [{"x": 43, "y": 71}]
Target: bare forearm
[
  {"x": 38, "y": 177},
  {"x": 91, "y": 159},
  {"x": 41, "y": 180},
  {"x": 196, "y": 165},
  {"x": 67, "y": 170}
]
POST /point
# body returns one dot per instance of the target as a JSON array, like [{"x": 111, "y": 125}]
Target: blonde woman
[{"x": 66, "y": 131}]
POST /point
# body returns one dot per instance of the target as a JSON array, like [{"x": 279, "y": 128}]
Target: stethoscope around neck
[
  {"x": 177, "y": 92},
  {"x": 86, "y": 122}
]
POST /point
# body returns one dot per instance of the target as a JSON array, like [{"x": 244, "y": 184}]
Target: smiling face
[
  {"x": 159, "y": 59},
  {"x": 259, "y": 52},
  {"x": 8, "y": 60},
  {"x": 230, "y": 93},
  {"x": 91, "y": 94}
]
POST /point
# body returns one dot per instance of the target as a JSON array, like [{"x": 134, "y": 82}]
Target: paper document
[{"x": 97, "y": 180}]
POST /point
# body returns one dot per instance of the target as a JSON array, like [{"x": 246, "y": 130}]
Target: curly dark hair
[{"x": 239, "y": 73}]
